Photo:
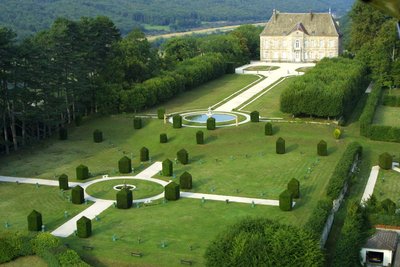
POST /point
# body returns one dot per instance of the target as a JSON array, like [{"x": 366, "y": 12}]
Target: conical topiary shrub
[
  {"x": 63, "y": 133},
  {"x": 63, "y": 182},
  {"x": 183, "y": 156},
  {"x": 322, "y": 148},
  {"x": 163, "y": 138},
  {"x": 167, "y": 169},
  {"x": 177, "y": 121},
  {"x": 280, "y": 146},
  {"x": 286, "y": 201},
  {"x": 388, "y": 206},
  {"x": 172, "y": 191},
  {"x": 35, "y": 221},
  {"x": 268, "y": 129},
  {"x": 385, "y": 161},
  {"x": 77, "y": 195},
  {"x": 294, "y": 187},
  {"x": 255, "y": 116},
  {"x": 137, "y": 123},
  {"x": 82, "y": 172},
  {"x": 185, "y": 180},
  {"x": 97, "y": 136},
  {"x": 125, "y": 165},
  {"x": 84, "y": 227},
  {"x": 160, "y": 113},
  {"x": 200, "y": 137},
  {"x": 211, "y": 123},
  {"x": 144, "y": 154},
  {"x": 124, "y": 198}
]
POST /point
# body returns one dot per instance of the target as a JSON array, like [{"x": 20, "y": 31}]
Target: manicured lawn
[
  {"x": 385, "y": 115},
  {"x": 27, "y": 261},
  {"x": 262, "y": 68},
  {"x": 304, "y": 69},
  {"x": 105, "y": 190},
  {"x": 388, "y": 186}
]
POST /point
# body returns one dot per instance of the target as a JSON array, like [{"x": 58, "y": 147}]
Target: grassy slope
[{"x": 387, "y": 116}]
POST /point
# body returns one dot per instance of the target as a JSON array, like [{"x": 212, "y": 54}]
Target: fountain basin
[{"x": 202, "y": 118}]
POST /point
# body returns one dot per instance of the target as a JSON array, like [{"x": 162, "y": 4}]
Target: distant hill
[{"x": 29, "y": 16}]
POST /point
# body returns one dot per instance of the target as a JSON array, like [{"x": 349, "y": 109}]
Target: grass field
[
  {"x": 388, "y": 186},
  {"x": 27, "y": 261},
  {"x": 389, "y": 116},
  {"x": 262, "y": 68},
  {"x": 304, "y": 69}
]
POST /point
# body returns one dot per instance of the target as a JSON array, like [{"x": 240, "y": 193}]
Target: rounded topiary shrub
[
  {"x": 385, "y": 161},
  {"x": 294, "y": 187},
  {"x": 200, "y": 137},
  {"x": 268, "y": 129},
  {"x": 144, "y": 154},
  {"x": 337, "y": 133},
  {"x": 78, "y": 120},
  {"x": 84, "y": 227},
  {"x": 125, "y": 165},
  {"x": 172, "y": 191},
  {"x": 163, "y": 138},
  {"x": 82, "y": 172},
  {"x": 185, "y": 180},
  {"x": 124, "y": 198},
  {"x": 286, "y": 200},
  {"x": 137, "y": 123},
  {"x": 211, "y": 123},
  {"x": 63, "y": 182},
  {"x": 255, "y": 116},
  {"x": 35, "y": 221},
  {"x": 160, "y": 113},
  {"x": 97, "y": 136},
  {"x": 388, "y": 206},
  {"x": 322, "y": 148},
  {"x": 280, "y": 146},
  {"x": 183, "y": 156},
  {"x": 177, "y": 121},
  {"x": 63, "y": 133},
  {"x": 77, "y": 195},
  {"x": 167, "y": 169}
]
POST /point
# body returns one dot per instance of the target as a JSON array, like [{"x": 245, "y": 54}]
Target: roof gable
[{"x": 385, "y": 240}]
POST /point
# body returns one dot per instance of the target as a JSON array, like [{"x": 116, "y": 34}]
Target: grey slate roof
[
  {"x": 318, "y": 24},
  {"x": 386, "y": 240}
]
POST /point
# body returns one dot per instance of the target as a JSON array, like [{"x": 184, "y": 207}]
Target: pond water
[{"x": 202, "y": 118}]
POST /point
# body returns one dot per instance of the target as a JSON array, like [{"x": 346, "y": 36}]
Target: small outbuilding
[{"x": 380, "y": 249}]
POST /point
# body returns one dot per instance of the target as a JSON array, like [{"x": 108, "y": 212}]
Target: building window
[
  {"x": 305, "y": 43},
  {"x": 321, "y": 43},
  {"x": 306, "y": 56},
  {"x": 276, "y": 55},
  {"x": 284, "y": 55},
  {"x": 331, "y": 43},
  {"x": 297, "y": 44}
]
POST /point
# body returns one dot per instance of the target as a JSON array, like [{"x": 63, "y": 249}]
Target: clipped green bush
[
  {"x": 160, "y": 113},
  {"x": 78, "y": 120},
  {"x": 294, "y": 187},
  {"x": 63, "y": 133},
  {"x": 177, "y": 121},
  {"x": 144, "y": 154},
  {"x": 211, "y": 123},
  {"x": 125, "y": 165},
  {"x": 172, "y": 191},
  {"x": 35, "y": 221},
  {"x": 385, "y": 161},
  {"x": 63, "y": 182},
  {"x": 388, "y": 206},
  {"x": 316, "y": 222},
  {"x": 268, "y": 129},
  {"x": 337, "y": 133},
  {"x": 185, "y": 180},
  {"x": 124, "y": 198},
  {"x": 44, "y": 243},
  {"x": 84, "y": 227},
  {"x": 82, "y": 172},
  {"x": 368, "y": 114},
  {"x": 97, "y": 136},
  {"x": 137, "y": 123},
  {"x": 200, "y": 137},
  {"x": 167, "y": 169},
  {"x": 77, "y": 195},
  {"x": 286, "y": 200},
  {"x": 183, "y": 156},
  {"x": 255, "y": 116},
  {"x": 163, "y": 138},
  {"x": 322, "y": 148},
  {"x": 280, "y": 146}
]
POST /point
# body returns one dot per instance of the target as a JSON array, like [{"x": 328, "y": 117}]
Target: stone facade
[{"x": 300, "y": 37}]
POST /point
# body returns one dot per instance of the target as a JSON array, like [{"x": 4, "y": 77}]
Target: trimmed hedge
[
  {"x": 385, "y": 161},
  {"x": 172, "y": 191},
  {"x": 368, "y": 113},
  {"x": 177, "y": 121},
  {"x": 268, "y": 129},
  {"x": 389, "y": 206},
  {"x": 286, "y": 200},
  {"x": 341, "y": 173},
  {"x": 183, "y": 156},
  {"x": 97, "y": 136},
  {"x": 280, "y": 146},
  {"x": 294, "y": 187},
  {"x": 124, "y": 198},
  {"x": 82, "y": 172},
  {"x": 200, "y": 137},
  {"x": 14, "y": 245},
  {"x": 35, "y": 221},
  {"x": 144, "y": 154},
  {"x": 163, "y": 138},
  {"x": 255, "y": 116},
  {"x": 137, "y": 123},
  {"x": 185, "y": 180},
  {"x": 84, "y": 227},
  {"x": 322, "y": 148},
  {"x": 385, "y": 133},
  {"x": 160, "y": 113},
  {"x": 63, "y": 182},
  {"x": 316, "y": 222},
  {"x": 167, "y": 169},
  {"x": 391, "y": 100},
  {"x": 77, "y": 195},
  {"x": 63, "y": 133},
  {"x": 211, "y": 125},
  {"x": 125, "y": 165}
]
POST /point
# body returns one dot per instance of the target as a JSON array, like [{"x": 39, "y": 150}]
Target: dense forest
[{"x": 29, "y": 16}]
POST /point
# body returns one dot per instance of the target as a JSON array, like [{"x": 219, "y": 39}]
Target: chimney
[
  {"x": 274, "y": 14},
  {"x": 311, "y": 14}
]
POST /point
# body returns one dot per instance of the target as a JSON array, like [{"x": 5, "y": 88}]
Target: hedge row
[
  {"x": 331, "y": 89},
  {"x": 316, "y": 222},
  {"x": 342, "y": 170},
  {"x": 391, "y": 100}
]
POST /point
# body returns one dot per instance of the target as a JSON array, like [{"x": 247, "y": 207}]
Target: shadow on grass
[
  {"x": 210, "y": 139},
  {"x": 158, "y": 156},
  {"x": 291, "y": 148},
  {"x": 196, "y": 158},
  {"x": 200, "y": 182},
  {"x": 332, "y": 150},
  {"x": 171, "y": 138},
  {"x": 275, "y": 129}
]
